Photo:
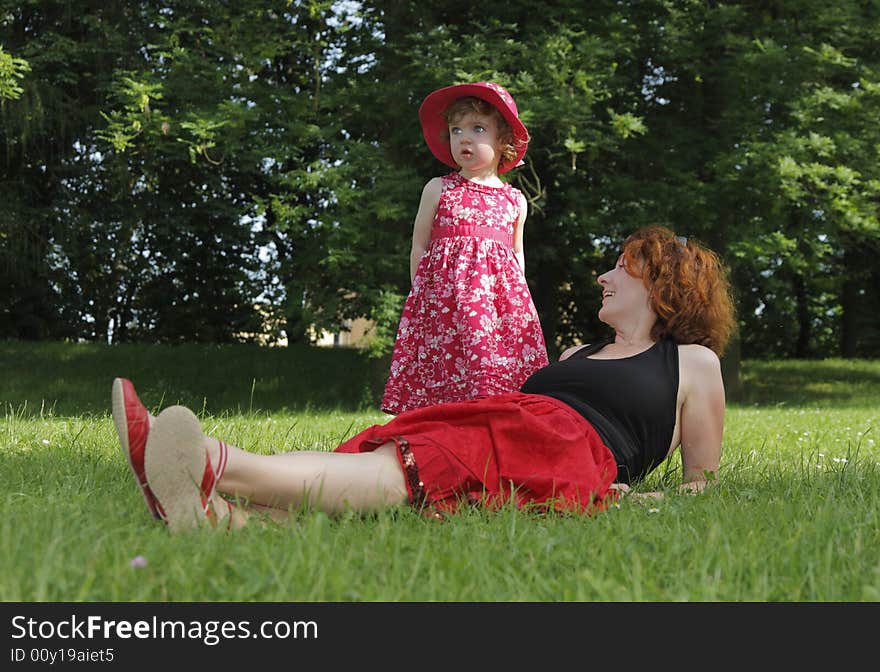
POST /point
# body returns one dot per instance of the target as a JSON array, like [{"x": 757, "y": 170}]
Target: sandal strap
[
  {"x": 209, "y": 482},
  {"x": 211, "y": 476},
  {"x": 221, "y": 461}
]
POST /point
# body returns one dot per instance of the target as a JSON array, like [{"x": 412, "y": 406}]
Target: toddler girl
[{"x": 469, "y": 327}]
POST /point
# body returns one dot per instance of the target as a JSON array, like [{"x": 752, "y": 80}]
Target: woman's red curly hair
[{"x": 688, "y": 287}]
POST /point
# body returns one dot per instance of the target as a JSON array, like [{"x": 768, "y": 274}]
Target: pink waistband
[{"x": 472, "y": 230}]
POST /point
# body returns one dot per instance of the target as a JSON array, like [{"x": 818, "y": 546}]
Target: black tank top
[{"x": 630, "y": 401}]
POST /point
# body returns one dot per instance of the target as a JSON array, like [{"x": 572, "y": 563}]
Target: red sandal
[
  {"x": 179, "y": 471},
  {"x": 215, "y": 518},
  {"x": 132, "y": 422}
]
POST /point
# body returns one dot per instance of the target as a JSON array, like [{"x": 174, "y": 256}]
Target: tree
[
  {"x": 54, "y": 102},
  {"x": 209, "y": 171},
  {"x": 562, "y": 70}
]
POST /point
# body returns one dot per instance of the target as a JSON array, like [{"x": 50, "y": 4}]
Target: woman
[{"x": 578, "y": 432}]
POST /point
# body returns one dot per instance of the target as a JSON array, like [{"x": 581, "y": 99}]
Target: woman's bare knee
[{"x": 391, "y": 474}]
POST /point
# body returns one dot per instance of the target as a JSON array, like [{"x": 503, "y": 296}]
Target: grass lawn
[{"x": 795, "y": 517}]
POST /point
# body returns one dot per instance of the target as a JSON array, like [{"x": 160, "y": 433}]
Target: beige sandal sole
[{"x": 174, "y": 461}]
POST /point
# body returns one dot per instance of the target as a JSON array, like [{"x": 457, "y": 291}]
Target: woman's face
[{"x": 623, "y": 295}]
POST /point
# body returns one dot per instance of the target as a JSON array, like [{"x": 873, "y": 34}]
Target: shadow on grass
[
  {"x": 75, "y": 379},
  {"x": 830, "y": 382},
  {"x": 72, "y": 379}
]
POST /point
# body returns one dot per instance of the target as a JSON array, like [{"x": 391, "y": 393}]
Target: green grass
[
  {"x": 795, "y": 516},
  {"x": 72, "y": 379}
]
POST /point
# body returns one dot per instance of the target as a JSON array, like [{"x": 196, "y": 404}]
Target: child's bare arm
[
  {"x": 518, "y": 249},
  {"x": 422, "y": 226}
]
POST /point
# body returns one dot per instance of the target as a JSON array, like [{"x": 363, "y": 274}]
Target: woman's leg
[
  {"x": 176, "y": 451},
  {"x": 329, "y": 482}
]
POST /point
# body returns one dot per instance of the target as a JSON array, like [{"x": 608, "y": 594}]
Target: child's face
[{"x": 473, "y": 139}]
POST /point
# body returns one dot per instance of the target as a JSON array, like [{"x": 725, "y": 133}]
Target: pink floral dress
[{"x": 469, "y": 328}]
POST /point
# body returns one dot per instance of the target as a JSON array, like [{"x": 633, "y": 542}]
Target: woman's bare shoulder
[
  {"x": 698, "y": 356},
  {"x": 700, "y": 369}
]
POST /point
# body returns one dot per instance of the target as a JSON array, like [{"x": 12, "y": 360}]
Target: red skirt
[{"x": 530, "y": 448}]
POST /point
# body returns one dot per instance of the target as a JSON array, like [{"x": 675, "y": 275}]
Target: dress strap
[{"x": 472, "y": 230}]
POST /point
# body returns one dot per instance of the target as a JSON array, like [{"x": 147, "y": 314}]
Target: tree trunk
[
  {"x": 849, "y": 301},
  {"x": 731, "y": 368},
  {"x": 801, "y": 296}
]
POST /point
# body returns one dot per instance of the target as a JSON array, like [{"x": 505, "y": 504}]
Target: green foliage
[
  {"x": 386, "y": 314},
  {"x": 214, "y": 171},
  {"x": 12, "y": 70},
  {"x": 126, "y": 124}
]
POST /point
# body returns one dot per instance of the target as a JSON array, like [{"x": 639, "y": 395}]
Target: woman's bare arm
[
  {"x": 702, "y": 416},
  {"x": 702, "y": 421}
]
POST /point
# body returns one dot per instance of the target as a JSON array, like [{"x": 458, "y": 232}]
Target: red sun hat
[{"x": 434, "y": 126}]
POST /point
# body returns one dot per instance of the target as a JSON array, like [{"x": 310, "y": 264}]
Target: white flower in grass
[
  {"x": 653, "y": 510},
  {"x": 840, "y": 460},
  {"x": 45, "y": 442}
]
